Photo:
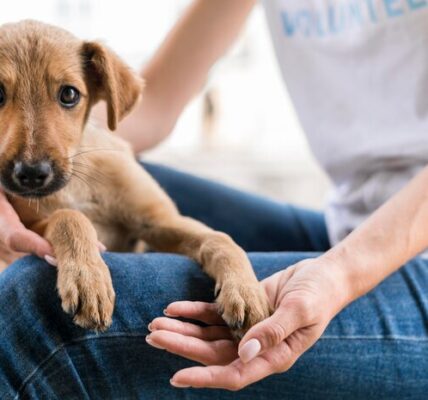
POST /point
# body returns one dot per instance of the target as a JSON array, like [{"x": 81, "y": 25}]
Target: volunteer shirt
[{"x": 357, "y": 72}]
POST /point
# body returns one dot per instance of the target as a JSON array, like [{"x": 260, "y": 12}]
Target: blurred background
[{"x": 241, "y": 129}]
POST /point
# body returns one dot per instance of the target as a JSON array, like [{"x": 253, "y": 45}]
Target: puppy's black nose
[{"x": 32, "y": 176}]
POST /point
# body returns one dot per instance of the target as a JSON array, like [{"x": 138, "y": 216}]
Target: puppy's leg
[
  {"x": 149, "y": 212},
  {"x": 84, "y": 282},
  {"x": 242, "y": 302},
  {"x": 146, "y": 211}
]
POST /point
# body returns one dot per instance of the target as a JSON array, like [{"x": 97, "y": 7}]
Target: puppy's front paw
[
  {"x": 87, "y": 293},
  {"x": 242, "y": 305}
]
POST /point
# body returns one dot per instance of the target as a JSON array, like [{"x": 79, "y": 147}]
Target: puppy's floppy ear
[{"x": 110, "y": 79}]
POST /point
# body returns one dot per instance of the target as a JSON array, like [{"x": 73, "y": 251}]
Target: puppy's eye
[
  {"x": 68, "y": 96},
  {"x": 2, "y": 96}
]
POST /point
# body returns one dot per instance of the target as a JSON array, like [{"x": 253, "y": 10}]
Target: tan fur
[{"x": 108, "y": 195}]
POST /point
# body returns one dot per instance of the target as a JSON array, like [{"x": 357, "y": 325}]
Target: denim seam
[
  {"x": 66, "y": 344},
  {"x": 379, "y": 337}
]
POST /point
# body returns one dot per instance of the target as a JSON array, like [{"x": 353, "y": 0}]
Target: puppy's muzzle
[{"x": 30, "y": 177}]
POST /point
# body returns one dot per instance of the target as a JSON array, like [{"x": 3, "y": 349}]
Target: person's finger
[
  {"x": 26, "y": 241},
  {"x": 9, "y": 219},
  {"x": 218, "y": 352},
  {"x": 234, "y": 376},
  {"x": 209, "y": 333},
  {"x": 269, "y": 333},
  {"x": 197, "y": 310}
]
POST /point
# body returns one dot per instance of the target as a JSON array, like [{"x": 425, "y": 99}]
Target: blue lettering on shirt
[
  {"x": 338, "y": 17},
  {"x": 416, "y": 4},
  {"x": 393, "y": 8}
]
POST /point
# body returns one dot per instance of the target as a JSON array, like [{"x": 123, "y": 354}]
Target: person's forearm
[
  {"x": 180, "y": 67},
  {"x": 394, "y": 234}
]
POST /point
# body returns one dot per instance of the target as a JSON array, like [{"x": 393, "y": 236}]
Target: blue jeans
[{"x": 377, "y": 348}]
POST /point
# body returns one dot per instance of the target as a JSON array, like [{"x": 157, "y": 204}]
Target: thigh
[
  {"x": 254, "y": 222},
  {"x": 376, "y": 348}
]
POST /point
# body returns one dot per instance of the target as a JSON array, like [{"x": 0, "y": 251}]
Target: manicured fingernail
[
  {"x": 249, "y": 350},
  {"x": 51, "y": 260},
  {"x": 178, "y": 385},
  {"x": 102, "y": 247},
  {"x": 151, "y": 343}
]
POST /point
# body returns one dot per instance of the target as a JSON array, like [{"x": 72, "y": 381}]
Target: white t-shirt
[{"x": 357, "y": 71}]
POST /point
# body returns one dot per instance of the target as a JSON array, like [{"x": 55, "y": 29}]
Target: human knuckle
[
  {"x": 281, "y": 367},
  {"x": 11, "y": 240},
  {"x": 305, "y": 307},
  {"x": 235, "y": 386},
  {"x": 278, "y": 368},
  {"x": 274, "y": 333}
]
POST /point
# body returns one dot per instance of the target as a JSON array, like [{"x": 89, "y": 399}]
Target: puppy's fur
[{"x": 98, "y": 190}]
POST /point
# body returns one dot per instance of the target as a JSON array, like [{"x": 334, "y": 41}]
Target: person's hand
[
  {"x": 305, "y": 298},
  {"x": 15, "y": 239}
]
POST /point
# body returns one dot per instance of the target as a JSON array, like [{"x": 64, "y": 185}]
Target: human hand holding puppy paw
[
  {"x": 15, "y": 238},
  {"x": 305, "y": 298}
]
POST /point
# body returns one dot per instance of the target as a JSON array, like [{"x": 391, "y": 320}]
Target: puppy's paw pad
[{"x": 242, "y": 305}]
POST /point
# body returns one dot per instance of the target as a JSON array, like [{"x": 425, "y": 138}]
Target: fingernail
[
  {"x": 151, "y": 343},
  {"x": 178, "y": 385},
  {"x": 249, "y": 350},
  {"x": 102, "y": 247},
  {"x": 51, "y": 260},
  {"x": 165, "y": 312},
  {"x": 150, "y": 327}
]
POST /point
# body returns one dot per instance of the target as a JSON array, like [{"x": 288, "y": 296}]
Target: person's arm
[
  {"x": 390, "y": 237},
  {"x": 180, "y": 66},
  {"x": 305, "y": 297},
  {"x": 394, "y": 234}
]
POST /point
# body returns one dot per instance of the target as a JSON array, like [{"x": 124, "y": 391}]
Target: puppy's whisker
[
  {"x": 87, "y": 167},
  {"x": 75, "y": 175},
  {"x": 90, "y": 151},
  {"x": 87, "y": 176}
]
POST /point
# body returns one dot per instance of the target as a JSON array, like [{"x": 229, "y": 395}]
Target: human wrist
[
  {"x": 337, "y": 268},
  {"x": 350, "y": 269}
]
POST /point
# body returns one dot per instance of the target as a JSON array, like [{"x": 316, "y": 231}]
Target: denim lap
[{"x": 377, "y": 348}]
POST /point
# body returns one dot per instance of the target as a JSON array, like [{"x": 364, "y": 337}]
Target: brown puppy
[{"x": 76, "y": 184}]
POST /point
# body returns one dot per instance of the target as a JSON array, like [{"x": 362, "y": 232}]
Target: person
[{"x": 348, "y": 287}]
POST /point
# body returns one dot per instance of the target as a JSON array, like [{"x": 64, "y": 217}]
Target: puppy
[{"x": 76, "y": 184}]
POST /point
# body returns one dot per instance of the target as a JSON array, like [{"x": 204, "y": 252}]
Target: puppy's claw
[{"x": 217, "y": 290}]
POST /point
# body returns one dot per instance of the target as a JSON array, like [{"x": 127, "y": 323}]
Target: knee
[{"x": 153, "y": 280}]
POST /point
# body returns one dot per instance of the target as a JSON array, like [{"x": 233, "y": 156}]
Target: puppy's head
[{"x": 49, "y": 80}]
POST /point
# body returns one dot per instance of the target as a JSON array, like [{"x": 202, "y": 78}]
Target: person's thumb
[{"x": 267, "y": 334}]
